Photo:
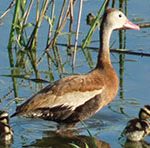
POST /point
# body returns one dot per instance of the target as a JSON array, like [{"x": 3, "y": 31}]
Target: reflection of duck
[
  {"x": 75, "y": 98},
  {"x": 55, "y": 140},
  {"x": 136, "y": 144},
  {"x": 138, "y": 128},
  {"x": 6, "y": 132}
]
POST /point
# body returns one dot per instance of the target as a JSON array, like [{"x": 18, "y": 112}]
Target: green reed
[
  {"x": 23, "y": 50},
  {"x": 10, "y": 44},
  {"x": 87, "y": 40}
]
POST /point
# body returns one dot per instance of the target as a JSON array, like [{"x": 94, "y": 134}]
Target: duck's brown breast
[{"x": 111, "y": 83}]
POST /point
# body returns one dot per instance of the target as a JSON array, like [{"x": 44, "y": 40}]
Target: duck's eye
[{"x": 120, "y": 15}]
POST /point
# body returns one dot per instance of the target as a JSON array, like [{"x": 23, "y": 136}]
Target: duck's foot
[{"x": 68, "y": 130}]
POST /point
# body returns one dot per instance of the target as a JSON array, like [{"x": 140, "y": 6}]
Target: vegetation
[{"x": 25, "y": 57}]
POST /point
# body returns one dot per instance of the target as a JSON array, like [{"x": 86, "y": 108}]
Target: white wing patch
[{"x": 75, "y": 99}]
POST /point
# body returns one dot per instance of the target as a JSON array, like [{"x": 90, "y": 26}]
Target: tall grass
[{"x": 24, "y": 57}]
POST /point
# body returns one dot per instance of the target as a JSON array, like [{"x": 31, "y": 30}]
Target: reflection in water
[
  {"x": 125, "y": 143},
  {"x": 5, "y": 145},
  {"x": 55, "y": 140},
  {"x": 122, "y": 45},
  {"x": 140, "y": 144}
]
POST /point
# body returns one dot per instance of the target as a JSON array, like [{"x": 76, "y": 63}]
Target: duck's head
[
  {"x": 145, "y": 112},
  {"x": 116, "y": 19},
  {"x": 4, "y": 117}
]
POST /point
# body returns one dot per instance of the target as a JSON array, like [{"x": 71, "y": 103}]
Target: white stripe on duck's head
[
  {"x": 145, "y": 112},
  {"x": 4, "y": 117}
]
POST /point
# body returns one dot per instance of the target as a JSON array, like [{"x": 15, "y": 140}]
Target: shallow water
[{"x": 107, "y": 125}]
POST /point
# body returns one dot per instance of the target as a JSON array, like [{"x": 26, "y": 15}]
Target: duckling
[
  {"x": 6, "y": 132},
  {"x": 138, "y": 128}
]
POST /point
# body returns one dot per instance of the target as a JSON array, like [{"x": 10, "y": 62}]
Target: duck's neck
[{"x": 104, "y": 51}]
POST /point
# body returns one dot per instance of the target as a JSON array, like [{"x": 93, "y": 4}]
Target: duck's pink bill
[{"x": 130, "y": 25}]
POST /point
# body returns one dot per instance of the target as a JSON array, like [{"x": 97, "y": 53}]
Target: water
[{"x": 107, "y": 124}]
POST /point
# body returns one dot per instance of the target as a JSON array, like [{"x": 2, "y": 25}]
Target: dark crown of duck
[
  {"x": 145, "y": 112},
  {"x": 77, "y": 97},
  {"x": 4, "y": 117}
]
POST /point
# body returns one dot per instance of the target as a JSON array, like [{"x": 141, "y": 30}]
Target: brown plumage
[{"x": 75, "y": 98}]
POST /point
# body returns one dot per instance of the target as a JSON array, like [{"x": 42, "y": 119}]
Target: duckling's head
[
  {"x": 4, "y": 117},
  {"x": 144, "y": 113}
]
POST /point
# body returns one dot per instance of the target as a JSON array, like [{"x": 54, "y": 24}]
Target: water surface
[{"x": 107, "y": 124}]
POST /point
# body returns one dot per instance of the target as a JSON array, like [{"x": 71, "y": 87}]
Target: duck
[
  {"x": 138, "y": 128},
  {"x": 6, "y": 132},
  {"x": 75, "y": 98}
]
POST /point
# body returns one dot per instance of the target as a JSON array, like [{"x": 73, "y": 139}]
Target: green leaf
[{"x": 87, "y": 40}]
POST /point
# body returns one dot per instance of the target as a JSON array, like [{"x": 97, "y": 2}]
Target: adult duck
[{"x": 77, "y": 97}]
